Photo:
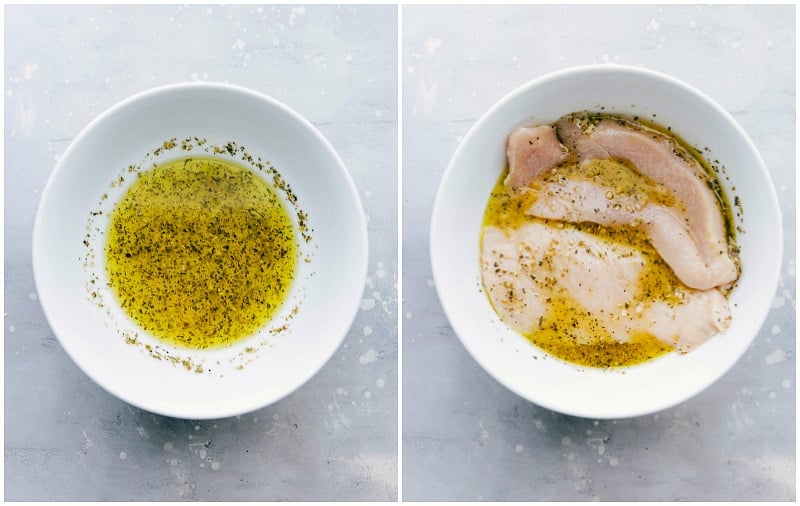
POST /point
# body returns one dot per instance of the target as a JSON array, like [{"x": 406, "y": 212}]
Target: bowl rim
[
  {"x": 583, "y": 71},
  {"x": 183, "y": 87}
]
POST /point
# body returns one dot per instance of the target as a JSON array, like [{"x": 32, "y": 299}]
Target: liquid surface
[{"x": 201, "y": 252}]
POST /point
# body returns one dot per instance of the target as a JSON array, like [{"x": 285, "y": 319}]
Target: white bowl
[
  {"x": 255, "y": 372},
  {"x": 461, "y": 201}
]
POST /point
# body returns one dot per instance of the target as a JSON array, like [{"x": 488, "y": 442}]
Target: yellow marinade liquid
[{"x": 201, "y": 252}]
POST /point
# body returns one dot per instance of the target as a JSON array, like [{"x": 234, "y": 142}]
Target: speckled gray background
[
  {"x": 333, "y": 439},
  {"x": 465, "y": 437}
]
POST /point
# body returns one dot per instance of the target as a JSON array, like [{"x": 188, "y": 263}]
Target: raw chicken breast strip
[
  {"x": 660, "y": 159},
  {"x": 570, "y": 132},
  {"x": 666, "y": 227},
  {"x": 524, "y": 268}
]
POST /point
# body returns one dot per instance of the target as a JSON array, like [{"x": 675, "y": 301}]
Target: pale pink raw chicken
[
  {"x": 602, "y": 276},
  {"x": 530, "y": 152},
  {"x": 700, "y": 258},
  {"x": 524, "y": 267}
]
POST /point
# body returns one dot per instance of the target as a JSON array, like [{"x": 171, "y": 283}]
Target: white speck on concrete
[
  {"x": 294, "y": 13},
  {"x": 367, "y": 330},
  {"x": 367, "y": 394},
  {"x": 430, "y": 283},
  {"x": 776, "y": 329},
  {"x": 29, "y": 70},
  {"x": 786, "y": 384},
  {"x": 33, "y": 296},
  {"x": 368, "y": 357},
  {"x": 239, "y": 44},
  {"x": 367, "y": 304},
  {"x": 168, "y": 447},
  {"x": 776, "y": 357},
  {"x": 519, "y": 448},
  {"x": 613, "y": 461},
  {"x": 11, "y": 329},
  {"x": 380, "y": 383},
  {"x": 484, "y": 434},
  {"x": 566, "y": 441},
  {"x": 86, "y": 441},
  {"x": 409, "y": 315},
  {"x": 215, "y": 465},
  {"x": 653, "y": 25},
  {"x": 341, "y": 391},
  {"x": 433, "y": 45}
]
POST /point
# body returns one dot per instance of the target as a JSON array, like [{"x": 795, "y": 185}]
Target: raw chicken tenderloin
[
  {"x": 661, "y": 160},
  {"x": 530, "y": 152}
]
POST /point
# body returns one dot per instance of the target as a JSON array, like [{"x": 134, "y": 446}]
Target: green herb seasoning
[{"x": 201, "y": 252}]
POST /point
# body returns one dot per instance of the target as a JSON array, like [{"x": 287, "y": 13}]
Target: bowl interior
[
  {"x": 462, "y": 197},
  {"x": 325, "y": 293}
]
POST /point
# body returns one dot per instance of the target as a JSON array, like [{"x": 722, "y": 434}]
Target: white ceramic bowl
[
  {"x": 250, "y": 374},
  {"x": 462, "y": 198}
]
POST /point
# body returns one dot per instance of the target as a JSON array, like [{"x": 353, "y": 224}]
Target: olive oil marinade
[{"x": 201, "y": 252}]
